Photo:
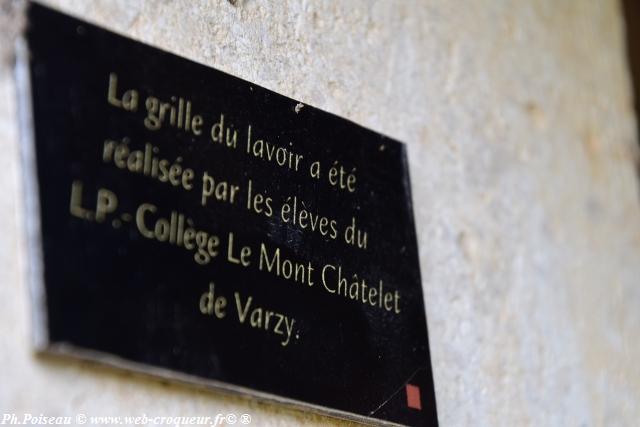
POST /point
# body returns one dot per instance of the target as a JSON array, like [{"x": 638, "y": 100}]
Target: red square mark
[{"x": 413, "y": 397}]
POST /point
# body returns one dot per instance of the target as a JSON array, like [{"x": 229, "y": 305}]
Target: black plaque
[{"x": 197, "y": 226}]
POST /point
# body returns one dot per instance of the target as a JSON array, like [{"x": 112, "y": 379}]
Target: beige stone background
[{"x": 522, "y": 141}]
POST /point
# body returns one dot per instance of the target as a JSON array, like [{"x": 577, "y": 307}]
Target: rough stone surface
[{"x": 522, "y": 143}]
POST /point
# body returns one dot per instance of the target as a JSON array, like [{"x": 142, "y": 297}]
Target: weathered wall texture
[{"x": 521, "y": 134}]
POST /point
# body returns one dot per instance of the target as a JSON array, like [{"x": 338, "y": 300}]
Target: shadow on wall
[{"x": 632, "y": 21}]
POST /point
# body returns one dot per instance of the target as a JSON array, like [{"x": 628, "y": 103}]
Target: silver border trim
[{"x": 35, "y": 261}]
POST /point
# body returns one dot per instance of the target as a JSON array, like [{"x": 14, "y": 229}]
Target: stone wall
[{"x": 522, "y": 141}]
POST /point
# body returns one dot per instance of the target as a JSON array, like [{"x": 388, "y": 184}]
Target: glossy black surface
[{"x": 110, "y": 289}]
